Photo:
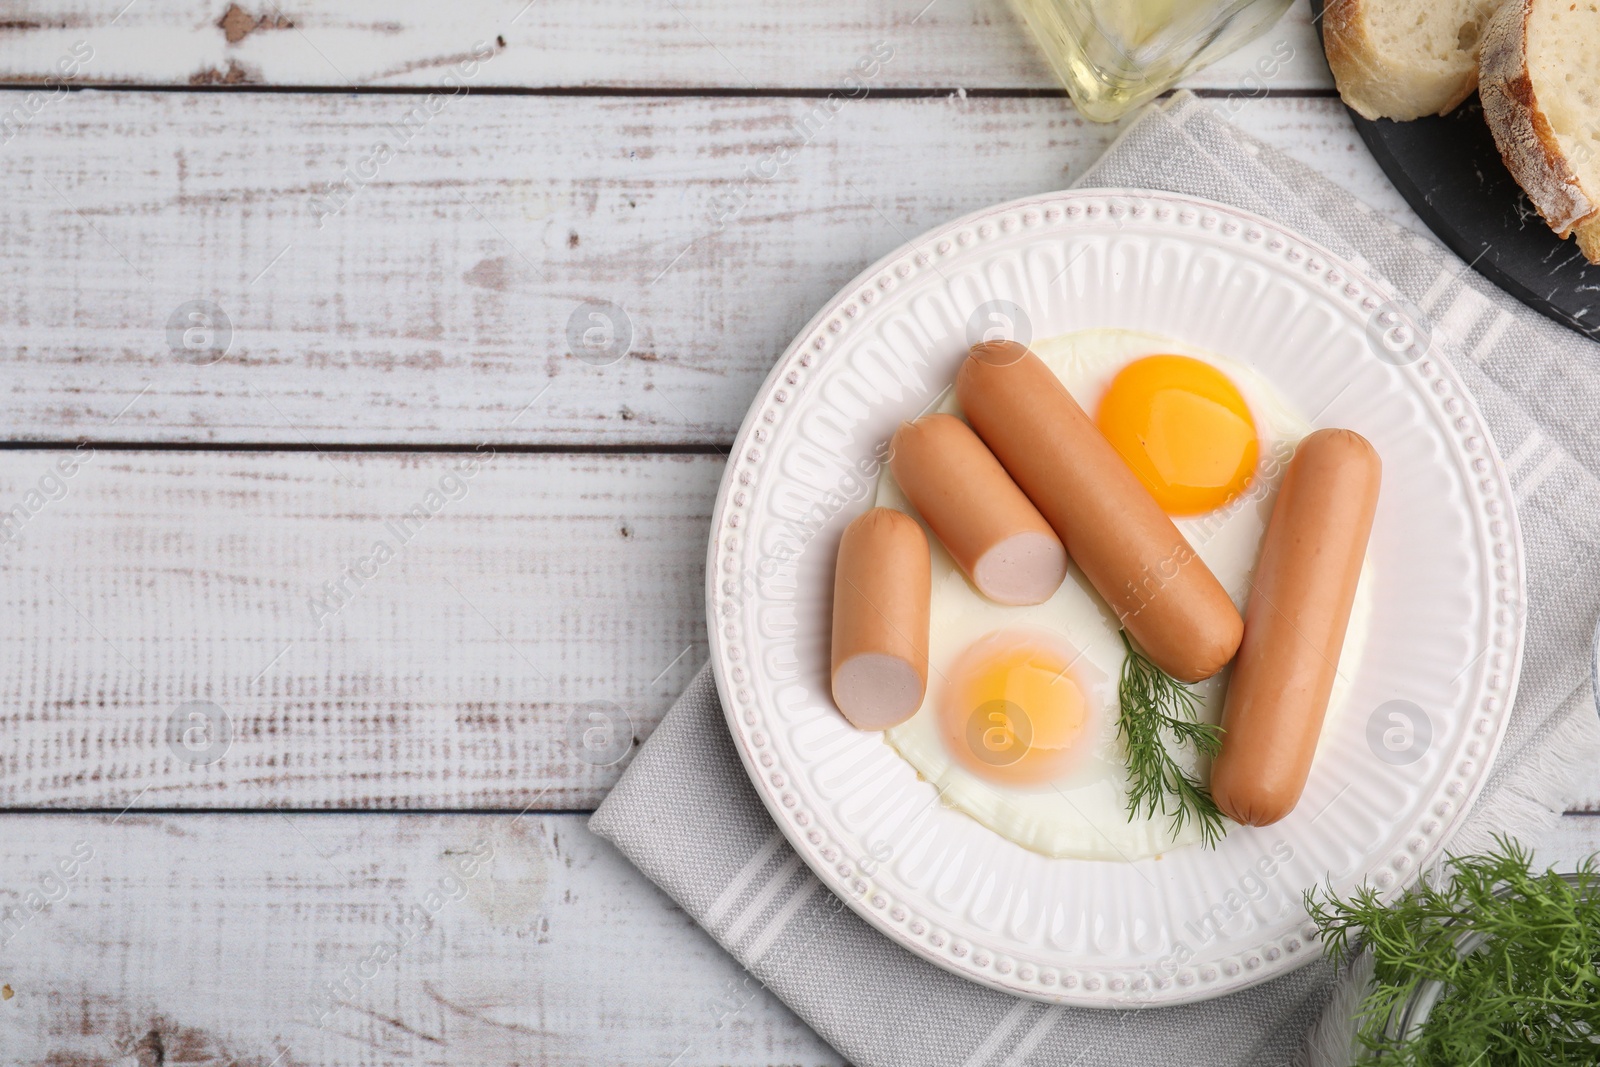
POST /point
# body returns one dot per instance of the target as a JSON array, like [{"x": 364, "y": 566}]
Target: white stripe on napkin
[
  {"x": 1525, "y": 451},
  {"x": 1462, "y": 315},
  {"x": 1037, "y": 1033},
  {"x": 1491, "y": 337},
  {"x": 741, "y": 881},
  {"x": 758, "y": 903},
  {"x": 1009, "y": 1022},
  {"x": 781, "y": 919},
  {"x": 1536, "y": 477}
]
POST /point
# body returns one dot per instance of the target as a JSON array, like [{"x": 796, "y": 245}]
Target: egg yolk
[
  {"x": 1013, "y": 713},
  {"x": 1184, "y": 429}
]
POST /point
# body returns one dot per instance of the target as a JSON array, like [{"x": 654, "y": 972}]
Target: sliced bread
[
  {"x": 1540, "y": 64},
  {"x": 1402, "y": 59}
]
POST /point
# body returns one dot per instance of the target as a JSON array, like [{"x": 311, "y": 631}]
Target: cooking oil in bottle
[{"x": 1113, "y": 55}]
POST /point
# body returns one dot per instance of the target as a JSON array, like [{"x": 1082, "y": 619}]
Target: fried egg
[
  {"x": 1184, "y": 429},
  {"x": 1018, "y": 728}
]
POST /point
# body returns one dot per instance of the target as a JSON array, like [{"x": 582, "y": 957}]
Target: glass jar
[
  {"x": 1408, "y": 1019},
  {"x": 1113, "y": 55}
]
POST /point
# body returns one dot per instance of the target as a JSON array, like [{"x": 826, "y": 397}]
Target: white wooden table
[{"x": 393, "y": 799}]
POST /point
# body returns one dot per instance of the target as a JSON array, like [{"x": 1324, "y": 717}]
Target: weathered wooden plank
[
  {"x": 431, "y": 296},
  {"x": 465, "y": 671},
  {"x": 1589, "y": 799},
  {"x": 565, "y": 43},
  {"x": 224, "y": 629},
  {"x": 1574, "y": 839},
  {"x": 340, "y": 941},
  {"x": 488, "y": 940}
]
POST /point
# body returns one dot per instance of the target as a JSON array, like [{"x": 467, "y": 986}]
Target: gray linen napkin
[{"x": 686, "y": 815}]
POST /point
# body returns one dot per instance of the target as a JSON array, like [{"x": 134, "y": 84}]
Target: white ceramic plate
[{"x": 1446, "y": 632}]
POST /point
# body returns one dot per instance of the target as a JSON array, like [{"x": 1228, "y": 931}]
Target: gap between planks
[
  {"x": 643, "y": 448},
  {"x": 708, "y": 92},
  {"x": 119, "y": 811},
  {"x": 732, "y": 44},
  {"x": 379, "y": 812}
]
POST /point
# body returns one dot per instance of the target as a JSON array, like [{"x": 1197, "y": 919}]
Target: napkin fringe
[
  {"x": 1332, "y": 1041},
  {"x": 1536, "y": 791}
]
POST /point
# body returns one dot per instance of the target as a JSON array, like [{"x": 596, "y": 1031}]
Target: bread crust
[
  {"x": 1371, "y": 85},
  {"x": 1588, "y": 234},
  {"x": 1523, "y": 133}
]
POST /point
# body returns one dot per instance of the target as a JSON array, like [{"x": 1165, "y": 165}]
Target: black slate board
[{"x": 1450, "y": 172}]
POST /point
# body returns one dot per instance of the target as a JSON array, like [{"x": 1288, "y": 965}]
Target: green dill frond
[
  {"x": 1152, "y": 704},
  {"x": 1517, "y": 954}
]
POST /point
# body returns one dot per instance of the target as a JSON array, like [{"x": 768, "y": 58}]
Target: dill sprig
[
  {"x": 1517, "y": 953},
  {"x": 1153, "y": 703}
]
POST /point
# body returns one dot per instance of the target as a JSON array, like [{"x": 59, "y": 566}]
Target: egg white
[{"x": 1084, "y": 813}]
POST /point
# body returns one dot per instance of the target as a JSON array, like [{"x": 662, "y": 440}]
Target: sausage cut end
[
  {"x": 876, "y": 691},
  {"x": 880, "y": 619},
  {"x": 1026, "y": 568},
  {"x": 987, "y": 524}
]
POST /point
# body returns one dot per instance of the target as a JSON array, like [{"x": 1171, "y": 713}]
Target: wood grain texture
[
  {"x": 466, "y": 671},
  {"x": 1574, "y": 839},
  {"x": 466, "y": 668},
  {"x": 435, "y": 303},
  {"x": 173, "y": 642},
  {"x": 213, "y": 941},
  {"x": 566, "y": 43}
]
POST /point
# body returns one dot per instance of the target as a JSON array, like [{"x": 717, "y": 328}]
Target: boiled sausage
[
  {"x": 1161, "y": 591},
  {"x": 1294, "y": 626},
  {"x": 881, "y": 589},
  {"x": 994, "y": 533}
]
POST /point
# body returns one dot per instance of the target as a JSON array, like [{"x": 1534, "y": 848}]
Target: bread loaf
[
  {"x": 1541, "y": 97},
  {"x": 1402, "y": 59}
]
